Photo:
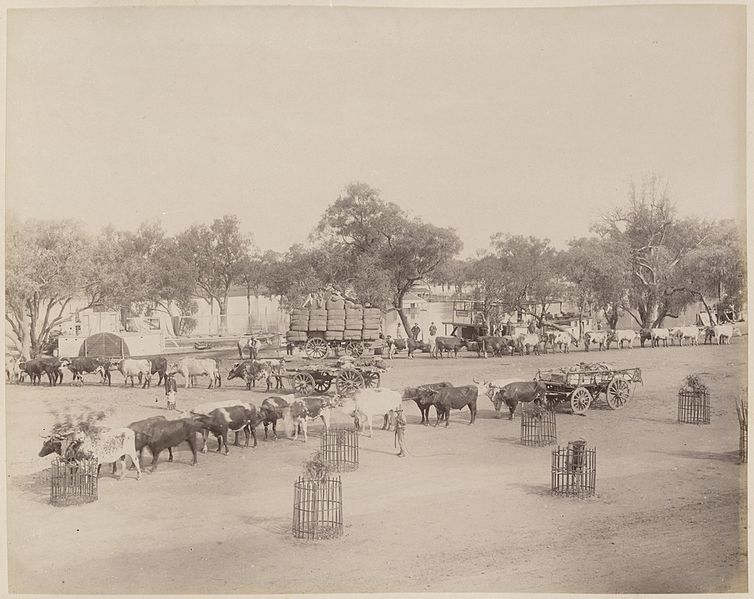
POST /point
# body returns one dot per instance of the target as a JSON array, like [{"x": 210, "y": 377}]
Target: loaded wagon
[
  {"x": 319, "y": 379},
  {"x": 583, "y": 383},
  {"x": 337, "y": 326}
]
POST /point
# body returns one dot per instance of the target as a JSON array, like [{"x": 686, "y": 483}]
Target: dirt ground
[{"x": 469, "y": 510}]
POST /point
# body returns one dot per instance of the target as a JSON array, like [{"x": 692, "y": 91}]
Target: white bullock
[
  {"x": 657, "y": 335},
  {"x": 621, "y": 336},
  {"x": 366, "y": 403}
]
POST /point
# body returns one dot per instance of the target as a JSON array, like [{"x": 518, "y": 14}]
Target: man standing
[
  {"x": 416, "y": 331},
  {"x": 253, "y": 348},
  {"x": 432, "y": 338},
  {"x": 171, "y": 390},
  {"x": 400, "y": 428}
]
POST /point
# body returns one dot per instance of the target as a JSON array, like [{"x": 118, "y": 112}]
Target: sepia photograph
[{"x": 328, "y": 299}]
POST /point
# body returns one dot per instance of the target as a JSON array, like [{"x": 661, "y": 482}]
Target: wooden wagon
[
  {"x": 316, "y": 347},
  {"x": 582, "y": 384},
  {"x": 319, "y": 379}
]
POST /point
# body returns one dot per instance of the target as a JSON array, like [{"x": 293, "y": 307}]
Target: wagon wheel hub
[
  {"x": 316, "y": 348},
  {"x": 348, "y": 381},
  {"x": 618, "y": 393},
  {"x": 355, "y": 348},
  {"x": 303, "y": 383},
  {"x": 371, "y": 379},
  {"x": 581, "y": 399}
]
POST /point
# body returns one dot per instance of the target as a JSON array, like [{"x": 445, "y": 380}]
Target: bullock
[
  {"x": 109, "y": 446},
  {"x": 622, "y": 335},
  {"x": 446, "y": 398},
  {"x": 271, "y": 410},
  {"x": 689, "y": 334},
  {"x": 142, "y": 429},
  {"x": 490, "y": 388},
  {"x": 160, "y": 368},
  {"x": 396, "y": 345},
  {"x": 422, "y": 402},
  {"x": 192, "y": 367},
  {"x": 306, "y": 408},
  {"x": 598, "y": 338},
  {"x": 498, "y": 345},
  {"x": 562, "y": 339},
  {"x": 366, "y": 403},
  {"x": 529, "y": 342},
  {"x": 80, "y": 365},
  {"x": 12, "y": 369},
  {"x": 658, "y": 335},
  {"x": 448, "y": 344},
  {"x": 36, "y": 367},
  {"x": 237, "y": 417},
  {"x": 644, "y": 335},
  {"x": 273, "y": 369},
  {"x": 248, "y": 370},
  {"x": 170, "y": 433},
  {"x": 724, "y": 332},
  {"x": 519, "y": 392},
  {"x": 131, "y": 368}
]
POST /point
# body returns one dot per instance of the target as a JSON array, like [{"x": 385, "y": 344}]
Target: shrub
[{"x": 694, "y": 384}]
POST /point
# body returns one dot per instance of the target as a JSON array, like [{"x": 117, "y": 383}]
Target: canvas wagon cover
[{"x": 104, "y": 345}]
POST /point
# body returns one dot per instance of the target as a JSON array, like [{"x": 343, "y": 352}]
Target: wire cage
[
  {"x": 693, "y": 407},
  {"x": 574, "y": 470},
  {"x": 538, "y": 426},
  {"x": 340, "y": 449},
  {"x": 317, "y": 508},
  {"x": 743, "y": 425},
  {"x": 73, "y": 482}
]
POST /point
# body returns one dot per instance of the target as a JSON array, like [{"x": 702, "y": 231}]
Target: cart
[
  {"x": 319, "y": 379},
  {"x": 582, "y": 384},
  {"x": 316, "y": 347}
]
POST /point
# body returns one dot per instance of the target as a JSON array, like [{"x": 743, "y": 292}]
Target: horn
[{"x": 476, "y": 381}]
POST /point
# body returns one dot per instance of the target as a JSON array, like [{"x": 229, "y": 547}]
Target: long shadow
[
  {"x": 35, "y": 486},
  {"x": 538, "y": 490},
  {"x": 657, "y": 420},
  {"x": 727, "y": 456}
]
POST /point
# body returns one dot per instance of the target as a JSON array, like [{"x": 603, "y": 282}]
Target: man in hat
[
  {"x": 400, "y": 429},
  {"x": 171, "y": 390}
]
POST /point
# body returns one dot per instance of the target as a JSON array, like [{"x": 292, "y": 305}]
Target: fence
[
  {"x": 340, "y": 449},
  {"x": 73, "y": 482},
  {"x": 538, "y": 426},
  {"x": 693, "y": 407},
  {"x": 574, "y": 470},
  {"x": 743, "y": 425},
  {"x": 317, "y": 508}
]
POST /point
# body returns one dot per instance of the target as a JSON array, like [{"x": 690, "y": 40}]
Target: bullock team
[{"x": 534, "y": 343}]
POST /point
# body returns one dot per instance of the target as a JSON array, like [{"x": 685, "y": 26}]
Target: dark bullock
[
  {"x": 448, "y": 344},
  {"x": 396, "y": 345},
  {"x": 248, "y": 370},
  {"x": 271, "y": 411},
  {"x": 497, "y": 345},
  {"x": 143, "y": 428},
  {"x": 514, "y": 393},
  {"x": 422, "y": 400},
  {"x": 456, "y": 398},
  {"x": 219, "y": 421},
  {"x": 87, "y": 365},
  {"x": 160, "y": 367},
  {"x": 36, "y": 367},
  {"x": 168, "y": 434}
]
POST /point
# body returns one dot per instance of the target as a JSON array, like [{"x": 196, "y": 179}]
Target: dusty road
[{"x": 469, "y": 510}]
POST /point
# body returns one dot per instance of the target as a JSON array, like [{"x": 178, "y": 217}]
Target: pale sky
[{"x": 527, "y": 121}]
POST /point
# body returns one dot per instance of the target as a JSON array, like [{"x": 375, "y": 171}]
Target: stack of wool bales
[
  {"x": 336, "y": 319},
  {"x": 354, "y": 323},
  {"x": 317, "y": 319},
  {"x": 371, "y": 330},
  {"x": 299, "y": 325}
]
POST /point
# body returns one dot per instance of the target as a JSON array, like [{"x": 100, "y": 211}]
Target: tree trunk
[{"x": 223, "y": 305}]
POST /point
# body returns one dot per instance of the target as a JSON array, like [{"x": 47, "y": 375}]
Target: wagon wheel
[
  {"x": 322, "y": 384},
  {"x": 316, "y": 348},
  {"x": 348, "y": 381},
  {"x": 618, "y": 393},
  {"x": 580, "y": 400},
  {"x": 371, "y": 379},
  {"x": 355, "y": 348},
  {"x": 303, "y": 383}
]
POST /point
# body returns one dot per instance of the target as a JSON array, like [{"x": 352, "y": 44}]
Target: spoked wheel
[
  {"x": 580, "y": 400},
  {"x": 348, "y": 381},
  {"x": 316, "y": 348},
  {"x": 303, "y": 383},
  {"x": 618, "y": 393},
  {"x": 321, "y": 385},
  {"x": 355, "y": 348},
  {"x": 371, "y": 379}
]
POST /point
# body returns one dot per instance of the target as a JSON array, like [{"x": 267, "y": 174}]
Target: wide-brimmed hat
[{"x": 399, "y": 409}]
